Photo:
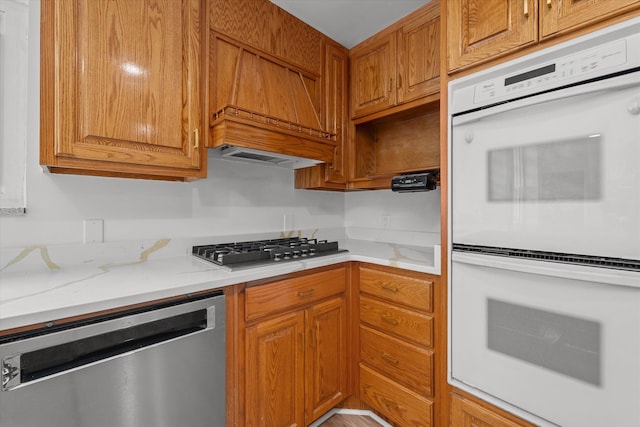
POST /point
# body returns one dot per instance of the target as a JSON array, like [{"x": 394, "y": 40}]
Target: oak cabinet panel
[
  {"x": 275, "y": 372},
  {"x": 295, "y": 352},
  {"x": 397, "y": 359},
  {"x": 395, "y": 402},
  {"x": 465, "y": 413},
  {"x": 326, "y": 356},
  {"x": 556, "y": 15},
  {"x": 482, "y": 30},
  {"x": 332, "y": 176},
  {"x": 121, "y": 88},
  {"x": 373, "y": 75},
  {"x": 419, "y": 57},
  {"x": 397, "y": 65}
]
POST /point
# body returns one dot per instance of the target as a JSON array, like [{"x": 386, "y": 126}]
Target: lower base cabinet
[
  {"x": 295, "y": 348},
  {"x": 397, "y": 345},
  {"x": 466, "y": 413}
]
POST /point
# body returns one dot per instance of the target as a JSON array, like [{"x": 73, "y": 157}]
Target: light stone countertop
[{"x": 40, "y": 284}]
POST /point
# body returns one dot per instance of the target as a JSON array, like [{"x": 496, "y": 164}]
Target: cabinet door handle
[
  {"x": 389, "y": 287},
  {"x": 389, "y": 319},
  {"x": 306, "y": 293},
  {"x": 390, "y": 85},
  {"x": 389, "y": 358},
  {"x": 196, "y": 138},
  {"x": 526, "y": 8},
  {"x": 549, "y": 4}
]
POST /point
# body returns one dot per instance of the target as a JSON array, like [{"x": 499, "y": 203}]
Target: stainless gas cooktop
[{"x": 261, "y": 252}]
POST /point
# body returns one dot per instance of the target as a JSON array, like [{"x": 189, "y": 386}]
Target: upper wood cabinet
[
  {"x": 335, "y": 106},
  {"x": 121, "y": 88},
  {"x": 397, "y": 65},
  {"x": 482, "y": 30},
  {"x": 373, "y": 75}
]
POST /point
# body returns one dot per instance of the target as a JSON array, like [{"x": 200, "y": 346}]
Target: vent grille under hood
[{"x": 265, "y": 109}]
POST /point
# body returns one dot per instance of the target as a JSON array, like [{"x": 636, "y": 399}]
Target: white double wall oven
[{"x": 544, "y": 282}]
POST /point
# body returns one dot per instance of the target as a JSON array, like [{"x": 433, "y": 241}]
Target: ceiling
[{"x": 349, "y": 21}]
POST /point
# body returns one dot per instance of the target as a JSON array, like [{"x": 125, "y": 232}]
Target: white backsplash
[{"x": 385, "y": 216}]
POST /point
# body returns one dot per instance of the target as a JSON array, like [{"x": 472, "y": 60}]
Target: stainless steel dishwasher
[{"x": 159, "y": 366}]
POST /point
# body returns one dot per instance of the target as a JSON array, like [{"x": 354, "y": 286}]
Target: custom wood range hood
[{"x": 263, "y": 104}]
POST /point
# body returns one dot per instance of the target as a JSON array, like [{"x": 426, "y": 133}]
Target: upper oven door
[{"x": 556, "y": 172}]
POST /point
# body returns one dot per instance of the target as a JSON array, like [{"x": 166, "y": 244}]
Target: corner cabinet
[
  {"x": 121, "y": 88},
  {"x": 480, "y": 31},
  {"x": 294, "y": 349}
]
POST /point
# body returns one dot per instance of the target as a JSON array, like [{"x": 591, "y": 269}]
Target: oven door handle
[{"x": 547, "y": 268}]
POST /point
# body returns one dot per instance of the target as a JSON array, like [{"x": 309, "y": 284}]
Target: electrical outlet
[
  {"x": 93, "y": 231},
  {"x": 386, "y": 221}
]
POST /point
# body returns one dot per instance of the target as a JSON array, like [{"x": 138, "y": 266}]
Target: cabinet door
[
  {"x": 478, "y": 30},
  {"x": 326, "y": 359},
  {"x": 335, "y": 106},
  {"x": 373, "y": 75},
  {"x": 121, "y": 86},
  {"x": 419, "y": 57},
  {"x": 558, "y": 15},
  {"x": 465, "y": 413},
  {"x": 275, "y": 372}
]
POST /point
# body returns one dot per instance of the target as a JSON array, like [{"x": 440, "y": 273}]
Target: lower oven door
[{"x": 556, "y": 344}]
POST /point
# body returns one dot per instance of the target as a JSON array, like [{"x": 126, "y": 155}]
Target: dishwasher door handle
[{"x": 44, "y": 362}]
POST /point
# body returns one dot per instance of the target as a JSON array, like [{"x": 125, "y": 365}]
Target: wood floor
[{"x": 344, "y": 420}]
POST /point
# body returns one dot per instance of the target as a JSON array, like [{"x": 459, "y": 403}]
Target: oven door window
[{"x": 551, "y": 171}]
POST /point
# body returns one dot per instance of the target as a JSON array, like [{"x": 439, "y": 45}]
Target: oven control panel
[
  {"x": 579, "y": 66},
  {"x": 604, "y": 52}
]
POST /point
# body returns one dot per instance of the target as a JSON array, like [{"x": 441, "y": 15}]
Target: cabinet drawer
[
  {"x": 395, "y": 402},
  {"x": 291, "y": 293},
  {"x": 397, "y": 288},
  {"x": 407, "y": 324},
  {"x": 406, "y": 364}
]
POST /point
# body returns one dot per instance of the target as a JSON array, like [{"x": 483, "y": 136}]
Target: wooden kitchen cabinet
[
  {"x": 467, "y": 413},
  {"x": 373, "y": 74},
  {"x": 332, "y": 176},
  {"x": 295, "y": 347},
  {"x": 397, "y": 344},
  {"x": 121, "y": 88},
  {"x": 479, "y": 31},
  {"x": 397, "y": 65}
]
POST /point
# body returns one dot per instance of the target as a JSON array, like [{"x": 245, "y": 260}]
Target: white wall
[
  {"x": 236, "y": 198},
  {"x": 411, "y": 218}
]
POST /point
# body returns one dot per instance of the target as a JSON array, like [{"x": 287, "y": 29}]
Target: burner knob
[
  {"x": 296, "y": 254},
  {"x": 312, "y": 251},
  {"x": 287, "y": 255},
  {"x": 304, "y": 252},
  {"x": 277, "y": 256}
]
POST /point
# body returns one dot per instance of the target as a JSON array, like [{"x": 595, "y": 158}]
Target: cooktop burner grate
[{"x": 253, "y": 253}]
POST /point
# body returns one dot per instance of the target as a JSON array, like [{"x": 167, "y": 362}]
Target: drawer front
[
  {"x": 409, "y": 291},
  {"x": 291, "y": 293},
  {"x": 404, "y": 363},
  {"x": 403, "y": 323},
  {"x": 395, "y": 402}
]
